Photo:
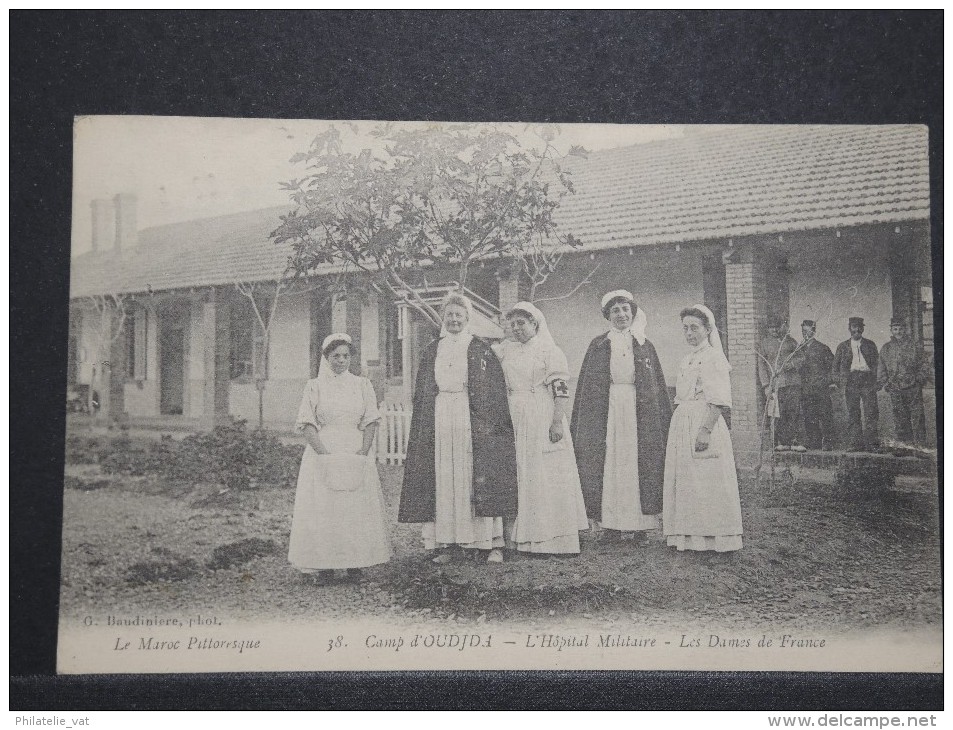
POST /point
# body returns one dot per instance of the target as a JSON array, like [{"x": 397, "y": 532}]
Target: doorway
[{"x": 172, "y": 332}]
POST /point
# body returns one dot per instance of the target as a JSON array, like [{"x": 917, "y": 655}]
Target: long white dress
[
  {"x": 621, "y": 500},
  {"x": 456, "y": 522},
  {"x": 701, "y": 504},
  {"x": 339, "y": 508},
  {"x": 551, "y": 505}
]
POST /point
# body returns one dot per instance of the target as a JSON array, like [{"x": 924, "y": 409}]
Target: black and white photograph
[{"x": 438, "y": 395}]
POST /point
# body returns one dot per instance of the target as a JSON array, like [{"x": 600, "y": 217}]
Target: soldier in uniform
[
  {"x": 855, "y": 370},
  {"x": 902, "y": 372},
  {"x": 816, "y": 383}
]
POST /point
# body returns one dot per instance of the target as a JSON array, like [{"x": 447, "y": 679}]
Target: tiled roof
[
  {"x": 746, "y": 181},
  {"x": 195, "y": 253},
  {"x": 738, "y": 182}
]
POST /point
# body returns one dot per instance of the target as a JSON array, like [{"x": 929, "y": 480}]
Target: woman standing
[
  {"x": 551, "y": 507},
  {"x": 620, "y": 421},
  {"x": 460, "y": 473},
  {"x": 339, "y": 511},
  {"x": 702, "y": 505}
]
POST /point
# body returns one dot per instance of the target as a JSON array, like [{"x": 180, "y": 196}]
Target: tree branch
[
  {"x": 417, "y": 303},
  {"x": 586, "y": 280}
]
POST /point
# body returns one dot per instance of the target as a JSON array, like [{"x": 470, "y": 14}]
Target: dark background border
[{"x": 625, "y": 67}]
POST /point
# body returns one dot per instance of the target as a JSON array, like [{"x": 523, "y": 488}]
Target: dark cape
[
  {"x": 494, "y": 444},
  {"x": 590, "y": 416}
]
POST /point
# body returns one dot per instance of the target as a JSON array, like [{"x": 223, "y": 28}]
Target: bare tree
[
  {"x": 112, "y": 311},
  {"x": 264, "y": 299},
  {"x": 767, "y": 425}
]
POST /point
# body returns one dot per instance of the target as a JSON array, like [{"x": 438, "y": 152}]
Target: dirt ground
[{"x": 814, "y": 556}]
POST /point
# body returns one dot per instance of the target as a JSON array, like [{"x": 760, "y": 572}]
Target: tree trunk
[
  {"x": 261, "y": 408},
  {"x": 100, "y": 385},
  {"x": 95, "y": 387}
]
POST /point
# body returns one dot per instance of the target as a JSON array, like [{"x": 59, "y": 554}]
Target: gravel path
[{"x": 813, "y": 557}]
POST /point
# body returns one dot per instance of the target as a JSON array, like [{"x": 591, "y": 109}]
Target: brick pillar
[
  {"x": 217, "y": 329},
  {"x": 745, "y": 282}
]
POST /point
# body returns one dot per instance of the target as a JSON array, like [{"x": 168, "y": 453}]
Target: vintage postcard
[{"x": 394, "y": 396}]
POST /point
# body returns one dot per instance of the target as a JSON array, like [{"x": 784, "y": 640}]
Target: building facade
[{"x": 819, "y": 223}]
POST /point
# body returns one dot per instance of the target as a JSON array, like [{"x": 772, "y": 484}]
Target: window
[
  {"x": 248, "y": 357},
  {"x": 136, "y": 330}
]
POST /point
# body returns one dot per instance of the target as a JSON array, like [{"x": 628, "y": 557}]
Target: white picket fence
[{"x": 393, "y": 434}]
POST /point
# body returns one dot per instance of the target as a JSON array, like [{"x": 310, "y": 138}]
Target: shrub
[
  {"x": 275, "y": 463},
  {"x": 229, "y": 455},
  {"x": 223, "y": 455},
  {"x": 125, "y": 456},
  {"x": 85, "y": 449}
]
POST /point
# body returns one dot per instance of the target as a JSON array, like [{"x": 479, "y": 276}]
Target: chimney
[
  {"x": 127, "y": 230},
  {"x": 103, "y": 224}
]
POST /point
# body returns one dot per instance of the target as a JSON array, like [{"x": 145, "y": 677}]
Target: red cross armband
[{"x": 560, "y": 389}]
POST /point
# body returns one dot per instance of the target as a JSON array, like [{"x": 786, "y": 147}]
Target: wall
[
  {"x": 663, "y": 281},
  {"x": 288, "y": 367},
  {"x": 835, "y": 278},
  {"x": 831, "y": 278},
  {"x": 142, "y": 397}
]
